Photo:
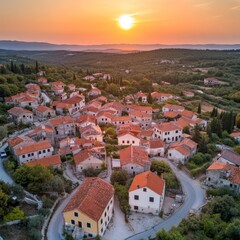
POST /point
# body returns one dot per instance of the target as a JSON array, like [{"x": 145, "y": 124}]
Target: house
[
  {"x": 213, "y": 81},
  {"x": 41, "y": 73},
  {"x": 118, "y": 121},
  {"x": 188, "y": 114},
  {"x": 180, "y": 152},
  {"x": 72, "y": 87},
  {"x": 92, "y": 132},
  {"x": 44, "y": 112},
  {"x": 87, "y": 159},
  {"x": 91, "y": 207},
  {"x": 41, "y": 133},
  {"x": 171, "y": 115},
  {"x": 51, "y": 161},
  {"x": 141, "y": 97},
  {"x": 230, "y": 157},
  {"x": 33, "y": 151},
  {"x": 63, "y": 127},
  {"x": 102, "y": 99},
  {"x": 146, "y": 193},
  {"x": 128, "y": 138},
  {"x": 236, "y": 136},
  {"x": 141, "y": 118},
  {"x": 72, "y": 105},
  {"x": 89, "y": 110},
  {"x": 33, "y": 90},
  {"x": 155, "y": 148},
  {"x": 57, "y": 90},
  {"x": 188, "y": 94},
  {"x": 19, "y": 141},
  {"x": 22, "y": 100},
  {"x": 106, "y": 76},
  {"x": 172, "y": 108},
  {"x": 116, "y": 107},
  {"x": 94, "y": 92},
  {"x": 221, "y": 174},
  {"x": 57, "y": 84},
  {"x": 168, "y": 132},
  {"x": 142, "y": 109},
  {"x": 191, "y": 123},
  {"x": 85, "y": 120},
  {"x": 146, "y": 134},
  {"x": 104, "y": 117},
  {"x": 134, "y": 160},
  {"x": 19, "y": 115},
  {"x": 161, "y": 97},
  {"x": 42, "y": 80},
  {"x": 94, "y": 103},
  {"x": 89, "y": 78}
]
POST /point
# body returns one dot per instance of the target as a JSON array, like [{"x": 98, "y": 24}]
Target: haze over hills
[{"x": 112, "y": 48}]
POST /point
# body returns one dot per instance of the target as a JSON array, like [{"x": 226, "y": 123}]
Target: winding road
[{"x": 194, "y": 199}]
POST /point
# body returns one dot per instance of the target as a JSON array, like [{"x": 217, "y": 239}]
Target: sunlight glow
[{"x": 126, "y": 21}]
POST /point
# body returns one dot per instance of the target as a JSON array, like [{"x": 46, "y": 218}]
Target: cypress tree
[
  {"x": 36, "y": 67},
  {"x": 149, "y": 98},
  {"x": 199, "y": 111}
]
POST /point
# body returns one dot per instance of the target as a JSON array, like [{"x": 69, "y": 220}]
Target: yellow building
[{"x": 91, "y": 207}]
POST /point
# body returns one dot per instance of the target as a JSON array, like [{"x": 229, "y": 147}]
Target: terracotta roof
[
  {"x": 17, "y": 140},
  {"x": 174, "y": 107},
  {"x": 81, "y": 156},
  {"x": 86, "y": 118},
  {"x": 102, "y": 98},
  {"x": 91, "y": 109},
  {"x": 235, "y": 134},
  {"x": 140, "y": 114},
  {"x": 130, "y": 128},
  {"x": 47, "y": 161},
  {"x": 231, "y": 156},
  {"x": 43, "y": 109},
  {"x": 217, "y": 166},
  {"x": 139, "y": 108},
  {"x": 116, "y": 105},
  {"x": 123, "y": 133},
  {"x": 183, "y": 150},
  {"x": 40, "y": 128},
  {"x": 104, "y": 114},
  {"x": 235, "y": 175},
  {"x": 90, "y": 130},
  {"x": 187, "y": 114},
  {"x": 184, "y": 122},
  {"x": 91, "y": 198},
  {"x": 42, "y": 80},
  {"x": 16, "y": 111},
  {"x": 33, "y": 147},
  {"x": 122, "y": 118},
  {"x": 147, "y": 133},
  {"x": 170, "y": 114},
  {"x": 60, "y": 120},
  {"x": 149, "y": 180},
  {"x": 133, "y": 154},
  {"x": 57, "y": 83},
  {"x": 156, "y": 143},
  {"x": 140, "y": 94},
  {"x": 159, "y": 95},
  {"x": 169, "y": 126}
]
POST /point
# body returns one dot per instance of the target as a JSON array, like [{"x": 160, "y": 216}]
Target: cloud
[
  {"x": 235, "y": 7},
  {"x": 203, "y": 4}
]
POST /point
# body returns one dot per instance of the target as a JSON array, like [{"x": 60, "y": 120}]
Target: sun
[{"x": 126, "y": 21}]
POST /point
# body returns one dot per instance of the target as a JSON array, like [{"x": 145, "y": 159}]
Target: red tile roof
[
  {"x": 43, "y": 109},
  {"x": 81, "y": 156},
  {"x": 33, "y": 147},
  {"x": 17, "y": 140},
  {"x": 60, "y": 120},
  {"x": 156, "y": 143},
  {"x": 217, "y": 166},
  {"x": 17, "y": 111},
  {"x": 91, "y": 198},
  {"x": 47, "y": 161},
  {"x": 140, "y": 114},
  {"x": 133, "y": 154},
  {"x": 170, "y": 114},
  {"x": 235, "y": 134},
  {"x": 122, "y": 118},
  {"x": 149, "y": 180},
  {"x": 169, "y": 126},
  {"x": 174, "y": 107}
]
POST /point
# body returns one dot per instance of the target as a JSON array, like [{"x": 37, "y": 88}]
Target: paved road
[
  {"x": 55, "y": 227},
  {"x": 194, "y": 198},
  {"x": 3, "y": 174}
]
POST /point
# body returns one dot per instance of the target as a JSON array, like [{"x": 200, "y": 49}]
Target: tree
[
  {"x": 202, "y": 145},
  {"x": 196, "y": 137},
  {"x": 120, "y": 177},
  {"x": 164, "y": 235},
  {"x": 3, "y": 132},
  {"x": 160, "y": 167},
  {"x": 237, "y": 149},
  {"x": 36, "y": 67},
  {"x": 3, "y": 203},
  {"x": 233, "y": 230},
  {"x": 199, "y": 111},
  {"x": 149, "y": 98},
  {"x": 238, "y": 120},
  {"x": 15, "y": 214}
]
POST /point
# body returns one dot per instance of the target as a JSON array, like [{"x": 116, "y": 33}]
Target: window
[
  {"x": 39, "y": 152},
  {"x": 133, "y": 142},
  {"x": 29, "y": 155},
  {"x": 144, "y": 189},
  {"x": 73, "y": 222},
  {"x": 135, "y": 207},
  {"x": 48, "y": 150},
  {"x": 131, "y": 167},
  {"x": 136, "y": 197},
  {"x": 101, "y": 221},
  {"x": 75, "y": 214},
  {"x": 23, "y": 156},
  {"x": 44, "y": 151},
  {"x": 88, "y": 225},
  {"x": 90, "y": 235},
  {"x": 123, "y": 141},
  {"x": 101, "y": 230},
  {"x": 151, "y": 199}
]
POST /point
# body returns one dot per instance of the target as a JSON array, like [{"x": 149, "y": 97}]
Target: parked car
[{"x": 3, "y": 154}]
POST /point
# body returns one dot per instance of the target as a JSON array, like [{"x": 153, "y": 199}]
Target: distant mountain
[{"x": 111, "y": 48}]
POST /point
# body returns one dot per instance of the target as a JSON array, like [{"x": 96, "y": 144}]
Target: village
[{"x": 98, "y": 142}]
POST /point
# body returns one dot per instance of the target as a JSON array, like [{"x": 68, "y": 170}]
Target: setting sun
[{"x": 126, "y": 21}]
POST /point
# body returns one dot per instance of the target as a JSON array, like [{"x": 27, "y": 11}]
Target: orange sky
[{"x": 94, "y": 21}]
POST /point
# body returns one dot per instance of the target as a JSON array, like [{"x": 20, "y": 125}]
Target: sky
[{"x": 95, "y": 21}]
